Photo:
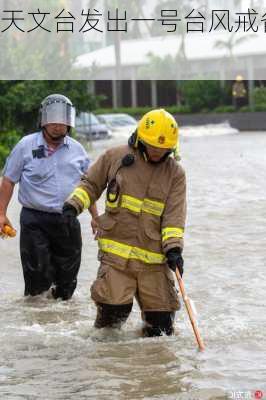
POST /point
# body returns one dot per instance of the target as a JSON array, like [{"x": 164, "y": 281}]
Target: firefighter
[
  {"x": 140, "y": 234},
  {"x": 239, "y": 92}
]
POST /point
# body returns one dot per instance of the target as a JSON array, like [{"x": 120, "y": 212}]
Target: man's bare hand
[{"x": 4, "y": 221}]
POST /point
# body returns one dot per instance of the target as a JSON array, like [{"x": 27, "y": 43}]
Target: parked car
[
  {"x": 89, "y": 127},
  {"x": 119, "y": 123}
]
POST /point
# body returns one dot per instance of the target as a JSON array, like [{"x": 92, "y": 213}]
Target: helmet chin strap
[
  {"x": 143, "y": 150},
  {"x": 161, "y": 159}
]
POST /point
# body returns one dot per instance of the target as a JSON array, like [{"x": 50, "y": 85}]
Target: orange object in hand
[{"x": 8, "y": 231}]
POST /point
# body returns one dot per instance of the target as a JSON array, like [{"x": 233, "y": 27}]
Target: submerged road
[{"x": 50, "y": 350}]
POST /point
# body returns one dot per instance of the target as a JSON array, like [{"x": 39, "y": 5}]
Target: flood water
[{"x": 50, "y": 350}]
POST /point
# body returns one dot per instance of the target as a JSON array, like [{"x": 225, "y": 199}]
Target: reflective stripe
[
  {"x": 83, "y": 196},
  {"x": 130, "y": 252},
  {"x": 110, "y": 204},
  {"x": 146, "y": 256},
  {"x": 131, "y": 203},
  {"x": 168, "y": 233},
  {"x": 153, "y": 207},
  {"x": 137, "y": 205}
]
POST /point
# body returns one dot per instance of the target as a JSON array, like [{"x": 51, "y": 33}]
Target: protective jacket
[
  {"x": 239, "y": 90},
  {"x": 148, "y": 217}
]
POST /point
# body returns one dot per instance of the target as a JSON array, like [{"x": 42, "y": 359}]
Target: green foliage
[
  {"x": 260, "y": 107},
  {"x": 39, "y": 55},
  {"x": 259, "y": 95},
  {"x": 245, "y": 109},
  {"x": 199, "y": 95},
  {"x": 182, "y": 109},
  {"x": 224, "y": 109},
  {"x": 9, "y": 139},
  {"x": 7, "y": 142},
  {"x": 160, "y": 66},
  {"x": 20, "y": 100},
  {"x": 3, "y": 155}
]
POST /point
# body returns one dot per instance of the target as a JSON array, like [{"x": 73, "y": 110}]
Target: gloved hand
[
  {"x": 69, "y": 215},
  {"x": 175, "y": 259}
]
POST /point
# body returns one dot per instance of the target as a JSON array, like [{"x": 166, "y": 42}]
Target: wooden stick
[{"x": 190, "y": 311}]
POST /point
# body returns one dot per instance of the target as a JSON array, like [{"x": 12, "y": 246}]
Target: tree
[
  {"x": 202, "y": 95},
  {"x": 20, "y": 100},
  {"x": 229, "y": 45},
  {"x": 39, "y": 54}
]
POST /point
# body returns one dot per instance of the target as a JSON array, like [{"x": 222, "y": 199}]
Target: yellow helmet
[
  {"x": 239, "y": 78},
  {"x": 158, "y": 128}
]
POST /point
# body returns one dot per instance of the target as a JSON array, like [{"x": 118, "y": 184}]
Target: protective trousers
[
  {"x": 153, "y": 287},
  {"x": 50, "y": 253},
  {"x": 112, "y": 316},
  {"x": 157, "y": 323}
]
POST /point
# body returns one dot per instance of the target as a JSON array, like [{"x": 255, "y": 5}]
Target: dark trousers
[
  {"x": 50, "y": 253},
  {"x": 157, "y": 323}
]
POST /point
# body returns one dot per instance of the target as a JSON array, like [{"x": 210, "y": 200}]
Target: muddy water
[{"x": 50, "y": 350}]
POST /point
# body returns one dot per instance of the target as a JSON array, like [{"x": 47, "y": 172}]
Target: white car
[{"x": 119, "y": 123}]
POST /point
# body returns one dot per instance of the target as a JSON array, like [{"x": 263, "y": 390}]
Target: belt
[{"x": 40, "y": 212}]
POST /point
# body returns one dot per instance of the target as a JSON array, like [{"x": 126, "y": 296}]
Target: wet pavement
[{"x": 50, "y": 350}]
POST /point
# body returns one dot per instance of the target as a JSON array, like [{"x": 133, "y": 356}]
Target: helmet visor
[{"x": 58, "y": 113}]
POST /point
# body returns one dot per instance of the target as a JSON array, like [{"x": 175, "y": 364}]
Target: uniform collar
[{"x": 42, "y": 142}]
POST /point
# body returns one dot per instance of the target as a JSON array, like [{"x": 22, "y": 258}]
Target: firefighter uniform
[
  {"x": 144, "y": 218},
  {"x": 239, "y": 92}
]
